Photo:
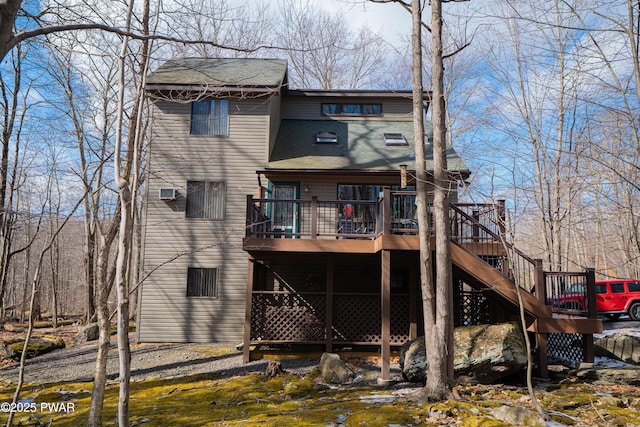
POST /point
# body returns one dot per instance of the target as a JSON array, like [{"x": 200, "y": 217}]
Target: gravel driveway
[{"x": 148, "y": 361}]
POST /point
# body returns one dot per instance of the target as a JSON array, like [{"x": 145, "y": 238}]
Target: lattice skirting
[
  {"x": 471, "y": 308},
  {"x": 357, "y": 319},
  {"x": 288, "y": 317},
  {"x": 565, "y": 347}
]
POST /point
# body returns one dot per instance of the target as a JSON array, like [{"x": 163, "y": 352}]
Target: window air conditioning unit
[{"x": 168, "y": 193}]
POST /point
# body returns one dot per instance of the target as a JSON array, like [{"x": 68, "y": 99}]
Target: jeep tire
[{"x": 634, "y": 311}]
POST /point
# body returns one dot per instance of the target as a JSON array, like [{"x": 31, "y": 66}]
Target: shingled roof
[
  {"x": 360, "y": 146},
  {"x": 226, "y": 72}
]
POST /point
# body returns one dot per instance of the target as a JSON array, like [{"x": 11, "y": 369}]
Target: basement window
[
  {"x": 202, "y": 282},
  {"x": 326, "y": 138},
  {"x": 394, "y": 139}
]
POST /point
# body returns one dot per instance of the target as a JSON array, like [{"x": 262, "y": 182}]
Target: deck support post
[
  {"x": 413, "y": 297},
  {"x": 246, "y": 342},
  {"x": 328, "y": 321},
  {"x": 541, "y": 339},
  {"x": 543, "y": 363},
  {"x": 386, "y": 316}
]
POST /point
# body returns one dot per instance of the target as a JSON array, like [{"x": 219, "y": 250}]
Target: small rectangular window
[
  {"x": 210, "y": 117},
  {"x": 202, "y": 282},
  {"x": 354, "y": 109},
  {"x": 351, "y": 109},
  {"x": 205, "y": 200},
  {"x": 371, "y": 109}
]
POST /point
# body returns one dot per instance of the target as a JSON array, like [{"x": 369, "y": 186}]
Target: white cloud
[{"x": 391, "y": 21}]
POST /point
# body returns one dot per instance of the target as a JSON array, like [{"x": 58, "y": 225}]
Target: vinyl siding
[
  {"x": 303, "y": 108},
  {"x": 274, "y": 124},
  {"x": 166, "y": 313}
]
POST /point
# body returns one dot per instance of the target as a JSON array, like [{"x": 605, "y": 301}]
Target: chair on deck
[{"x": 345, "y": 225}]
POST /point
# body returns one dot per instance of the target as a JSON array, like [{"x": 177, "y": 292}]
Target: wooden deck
[{"x": 379, "y": 231}]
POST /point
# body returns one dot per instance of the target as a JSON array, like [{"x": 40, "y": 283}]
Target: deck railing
[
  {"x": 570, "y": 293},
  {"x": 394, "y": 213},
  {"x": 478, "y": 227}
]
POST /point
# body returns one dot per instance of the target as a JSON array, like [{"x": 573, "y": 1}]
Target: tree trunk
[
  {"x": 102, "y": 312},
  {"x": 440, "y": 366},
  {"x": 100, "y": 372},
  {"x": 422, "y": 189}
]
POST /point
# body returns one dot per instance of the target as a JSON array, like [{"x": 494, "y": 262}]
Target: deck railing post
[
  {"x": 476, "y": 225},
  {"x": 591, "y": 293},
  {"x": 502, "y": 219},
  {"x": 539, "y": 284},
  {"x": 589, "y": 351},
  {"x": 249, "y": 213},
  {"x": 387, "y": 212},
  {"x": 314, "y": 217}
]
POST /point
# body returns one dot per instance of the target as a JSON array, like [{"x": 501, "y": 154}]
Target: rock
[
  {"x": 12, "y": 328},
  {"x": 627, "y": 375},
  {"x": 482, "y": 353},
  {"x": 334, "y": 370},
  {"x": 87, "y": 333},
  {"x": 517, "y": 416},
  {"x": 273, "y": 369},
  {"x": 413, "y": 360},
  {"x": 619, "y": 346},
  {"x": 37, "y": 346}
]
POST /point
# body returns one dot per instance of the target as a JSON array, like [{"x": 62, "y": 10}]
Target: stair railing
[{"x": 492, "y": 246}]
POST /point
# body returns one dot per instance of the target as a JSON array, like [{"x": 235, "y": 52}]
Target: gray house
[{"x": 287, "y": 217}]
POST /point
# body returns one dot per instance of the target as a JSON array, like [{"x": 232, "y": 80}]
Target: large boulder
[
  {"x": 37, "y": 346},
  {"x": 482, "y": 353},
  {"x": 87, "y": 333},
  {"x": 608, "y": 376},
  {"x": 619, "y": 346},
  {"x": 334, "y": 370},
  {"x": 517, "y": 416}
]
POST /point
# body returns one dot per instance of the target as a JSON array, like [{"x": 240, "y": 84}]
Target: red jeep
[
  {"x": 613, "y": 298},
  {"x": 617, "y": 297}
]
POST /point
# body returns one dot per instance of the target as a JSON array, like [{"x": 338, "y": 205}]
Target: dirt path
[{"x": 148, "y": 361}]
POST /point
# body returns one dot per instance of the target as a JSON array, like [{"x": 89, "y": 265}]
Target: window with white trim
[
  {"x": 205, "y": 200},
  {"x": 210, "y": 117},
  {"x": 202, "y": 282}
]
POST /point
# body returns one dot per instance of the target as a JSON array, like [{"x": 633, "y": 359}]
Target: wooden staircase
[{"x": 540, "y": 318}]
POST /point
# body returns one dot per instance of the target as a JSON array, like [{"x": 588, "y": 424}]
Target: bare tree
[
  {"x": 439, "y": 330},
  {"x": 322, "y": 50},
  {"x": 34, "y": 288}
]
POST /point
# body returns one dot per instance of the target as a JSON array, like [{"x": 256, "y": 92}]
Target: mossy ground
[{"x": 291, "y": 400}]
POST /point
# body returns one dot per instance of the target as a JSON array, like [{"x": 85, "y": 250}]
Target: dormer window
[
  {"x": 326, "y": 138},
  {"x": 394, "y": 139}
]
